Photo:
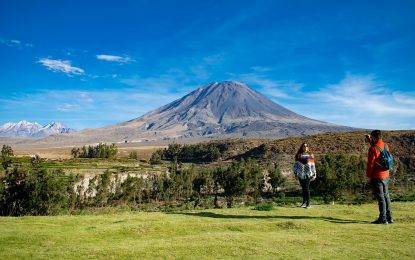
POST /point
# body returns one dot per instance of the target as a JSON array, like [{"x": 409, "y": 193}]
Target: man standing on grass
[{"x": 378, "y": 173}]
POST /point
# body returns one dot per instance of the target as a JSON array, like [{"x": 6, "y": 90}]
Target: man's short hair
[{"x": 376, "y": 134}]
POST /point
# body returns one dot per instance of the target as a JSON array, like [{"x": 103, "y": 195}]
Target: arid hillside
[{"x": 401, "y": 144}]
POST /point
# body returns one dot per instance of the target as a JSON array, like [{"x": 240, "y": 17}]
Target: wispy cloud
[
  {"x": 66, "y": 107},
  {"x": 15, "y": 43},
  {"x": 366, "y": 94},
  {"x": 259, "y": 79},
  {"x": 357, "y": 100},
  {"x": 114, "y": 58},
  {"x": 178, "y": 80},
  {"x": 82, "y": 109},
  {"x": 63, "y": 66},
  {"x": 361, "y": 101}
]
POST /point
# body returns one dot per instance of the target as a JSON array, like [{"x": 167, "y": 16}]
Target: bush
[
  {"x": 133, "y": 155},
  {"x": 36, "y": 192},
  {"x": 133, "y": 189},
  {"x": 276, "y": 179},
  {"x": 238, "y": 179},
  {"x": 340, "y": 177}
]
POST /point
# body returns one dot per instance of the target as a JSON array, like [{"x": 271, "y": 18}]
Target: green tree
[
  {"x": 156, "y": 157},
  {"x": 133, "y": 189},
  {"x": 340, "y": 176},
  {"x": 6, "y": 151},
  {"x": 6, "y": 154},
  {"x": 276, "y": 179},
  {"x": 232, "y": 180},
  {"x": 254, "y": 176},
  {"x": 36, "y": 191}
]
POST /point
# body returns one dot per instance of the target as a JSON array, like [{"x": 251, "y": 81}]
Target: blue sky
[{"x": 103, "y": 62}]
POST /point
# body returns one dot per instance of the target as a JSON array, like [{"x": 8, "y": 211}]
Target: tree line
[
  {"x": 34, "y": 190},
  {"x": 98, "y": 151},
  {"x": 191, "y": 153}
]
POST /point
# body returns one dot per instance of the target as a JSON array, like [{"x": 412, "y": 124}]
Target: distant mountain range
[
  {"x": 217, "y": 110},
  {"x": 33, "y": 129}
]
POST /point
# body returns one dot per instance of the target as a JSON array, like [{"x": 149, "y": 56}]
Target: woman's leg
[
  {"x": 307, "y": 191},
  {"x": 303, "y": 189}
]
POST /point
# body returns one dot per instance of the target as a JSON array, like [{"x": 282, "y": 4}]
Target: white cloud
[
  {"x": 63, "y": 66},
  {"x": 114, "y": 58}
]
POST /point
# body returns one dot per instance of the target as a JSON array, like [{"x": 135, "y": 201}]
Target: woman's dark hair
[{"x": 300, "y": 151}]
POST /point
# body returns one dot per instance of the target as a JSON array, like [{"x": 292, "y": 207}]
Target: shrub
[
  {"x": 133, "y": 190},
  {"x": 340, "y": 176},
  {"x": 36, "y": 192},
  {"x": 133, "y": 155},
  {"x": 276, "y": 179},
  {"x": 238, "y": 179}
]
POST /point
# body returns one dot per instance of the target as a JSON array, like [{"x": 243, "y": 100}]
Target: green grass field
[{"x": 324, "y": 231}]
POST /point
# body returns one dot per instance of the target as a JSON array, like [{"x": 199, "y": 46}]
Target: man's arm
[{"x": 370, "y": 162}]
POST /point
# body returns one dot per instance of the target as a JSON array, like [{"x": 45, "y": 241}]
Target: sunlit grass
[{"x": 324, "y": 231}]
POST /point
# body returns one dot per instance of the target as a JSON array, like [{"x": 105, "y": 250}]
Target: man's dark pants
[{"x": 381, "y": 192}]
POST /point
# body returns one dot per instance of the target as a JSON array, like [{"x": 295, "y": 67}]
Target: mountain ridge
[{"x": 28, "y": 129}]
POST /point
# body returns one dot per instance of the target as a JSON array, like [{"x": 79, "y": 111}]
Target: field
[{"x": 324, "y": 231}]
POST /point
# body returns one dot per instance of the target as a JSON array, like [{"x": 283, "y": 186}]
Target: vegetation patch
[{"x": 264, "y": 207}]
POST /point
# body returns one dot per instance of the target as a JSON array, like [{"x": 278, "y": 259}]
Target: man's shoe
[
  {"x": 390, "y": 221},
  {"x": 303, "y": 205},
  {"x": 308, "y": 206},
  {"x": 378, "y": 221}
]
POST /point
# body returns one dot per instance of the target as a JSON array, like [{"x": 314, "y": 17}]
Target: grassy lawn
[{"x": 324, "y": 231}]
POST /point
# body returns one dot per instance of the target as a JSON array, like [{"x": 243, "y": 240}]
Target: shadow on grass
[{"x": 216, "y": 215}]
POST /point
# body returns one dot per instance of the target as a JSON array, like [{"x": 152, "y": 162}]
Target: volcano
[{"x": 217, "y": 110}]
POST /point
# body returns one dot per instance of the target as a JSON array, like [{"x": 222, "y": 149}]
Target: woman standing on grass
[{"x": 305, "y": 171}]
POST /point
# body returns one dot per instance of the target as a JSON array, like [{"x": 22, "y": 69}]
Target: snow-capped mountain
[{"x": 32, "y": 129}]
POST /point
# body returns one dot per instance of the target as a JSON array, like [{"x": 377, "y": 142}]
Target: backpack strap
[
  {"x": 377, "y": 147},
  {"x": 385, "y": 147}
]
